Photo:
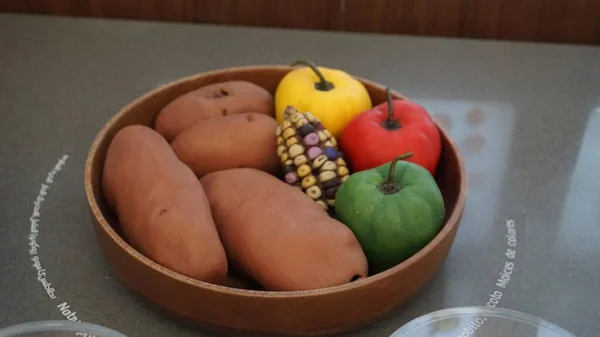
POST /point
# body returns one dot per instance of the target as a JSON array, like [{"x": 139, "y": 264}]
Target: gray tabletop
[{"x": 526, "y": 117}]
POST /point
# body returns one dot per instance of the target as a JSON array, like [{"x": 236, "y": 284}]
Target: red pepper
[{"x": 378, "y": 135}]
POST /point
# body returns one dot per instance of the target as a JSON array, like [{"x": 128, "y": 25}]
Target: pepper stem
[
  {"x": 390, "y": 186},
  {"x": 323, "y": 84},
  {"x": 390, "y": 123}
]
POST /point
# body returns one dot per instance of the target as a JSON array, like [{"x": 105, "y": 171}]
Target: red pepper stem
[
  {"x": 390, "y": 123},
  {"x": 390, "y": 186},
  {"x": 323, "y": 84},
  {"x": 388, "y": 95}
]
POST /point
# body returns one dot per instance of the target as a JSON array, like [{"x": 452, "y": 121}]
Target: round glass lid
[
  {"x": 62, "y": 328},
  {"x": 479, "y": 322}
]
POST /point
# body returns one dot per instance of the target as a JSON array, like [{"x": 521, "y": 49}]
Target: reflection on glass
[
  {"x": 583, "y": 198},
  {"x": 482, "y": 130}
]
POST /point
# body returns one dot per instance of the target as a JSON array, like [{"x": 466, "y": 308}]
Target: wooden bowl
[{"x": 245, "y": 312}]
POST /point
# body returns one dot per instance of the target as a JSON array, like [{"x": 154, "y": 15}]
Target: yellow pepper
[{"x": 331, "y": 95}]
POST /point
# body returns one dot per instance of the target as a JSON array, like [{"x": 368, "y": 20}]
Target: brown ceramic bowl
[{"x": 236, "y": 310}]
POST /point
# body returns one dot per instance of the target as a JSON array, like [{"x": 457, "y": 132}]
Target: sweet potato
[
  {"x": 219, "y": 99},
  {"x": 243, "y": 140},
  {"x": 161, "y": 206},
  {"x": 279, "y": 236}
]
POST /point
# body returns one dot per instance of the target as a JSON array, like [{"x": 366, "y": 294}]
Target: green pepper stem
[
  {"x": 390, "y": 123},
  {"x": 323, "y": 84},
  {"x": 390, "y": 186}
]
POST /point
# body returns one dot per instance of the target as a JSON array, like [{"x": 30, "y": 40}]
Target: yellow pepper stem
[{"x": 323, "y": 84}]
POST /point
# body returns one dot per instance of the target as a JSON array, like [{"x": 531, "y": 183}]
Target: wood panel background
[{"x": 562, "y": 21}]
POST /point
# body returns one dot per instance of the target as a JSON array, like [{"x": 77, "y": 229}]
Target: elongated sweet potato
[
  {"x": 219, "y": 99},
  {"x": 243, "y": 140},
  {"x": 279, "y": 236},
  {"x": 161, "y": 206}
]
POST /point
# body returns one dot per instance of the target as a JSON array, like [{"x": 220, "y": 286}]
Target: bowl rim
[{"x": 106, "y": 227}]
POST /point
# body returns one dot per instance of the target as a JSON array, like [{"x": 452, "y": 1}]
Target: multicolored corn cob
[{"x": 310, "y": 157}]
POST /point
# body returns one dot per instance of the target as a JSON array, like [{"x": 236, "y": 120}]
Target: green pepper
[{"x": 394, "y": 210}]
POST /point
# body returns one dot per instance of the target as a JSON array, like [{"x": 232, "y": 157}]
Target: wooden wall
[{"x": 563, "y": 21}]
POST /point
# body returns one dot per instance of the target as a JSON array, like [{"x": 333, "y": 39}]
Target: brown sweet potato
[
  {"x": 243, "y": 140},
  {"x": 161, "y": 206},
  {"x": 219, "y": 99},
  {"x": 278, "y": 236}
]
